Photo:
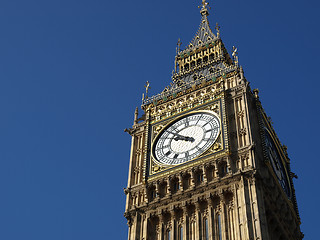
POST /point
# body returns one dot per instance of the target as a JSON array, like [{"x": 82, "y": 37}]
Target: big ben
[{"x": 205, "y": 161}]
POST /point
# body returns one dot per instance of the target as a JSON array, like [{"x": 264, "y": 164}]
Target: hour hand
[
  {"x": 180, "y": 137},
  {"x": 185, "y": 138},
  {"x": 176, "y": 138}
]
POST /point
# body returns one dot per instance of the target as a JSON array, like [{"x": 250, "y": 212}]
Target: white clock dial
[{"x": 186, "y": 138}]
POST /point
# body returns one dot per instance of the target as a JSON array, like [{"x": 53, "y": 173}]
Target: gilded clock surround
[
  {"x": 218, "y": 149},
  {"x": 230, "y": 191}
]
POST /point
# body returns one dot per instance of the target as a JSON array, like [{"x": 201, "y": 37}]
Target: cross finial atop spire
[
  {"x": 204, "y": 3},
  {"x": 204, "y": 10}
]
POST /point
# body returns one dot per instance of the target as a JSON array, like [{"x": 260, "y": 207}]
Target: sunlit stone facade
[{"x": 240, "y": 187}]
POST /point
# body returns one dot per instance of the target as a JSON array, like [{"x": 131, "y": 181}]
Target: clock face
[
  {"x": 276, "y": 163},
  {"x": 186, "y": 138}
]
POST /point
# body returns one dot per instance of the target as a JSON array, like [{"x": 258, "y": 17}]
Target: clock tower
[{"x": 205, "y": 161}]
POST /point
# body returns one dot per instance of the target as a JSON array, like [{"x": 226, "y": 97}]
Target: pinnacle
[{"x": 204, "y": 34}]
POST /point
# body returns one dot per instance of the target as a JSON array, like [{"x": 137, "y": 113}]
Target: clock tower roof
[
  {"x": 204, "y": 34},
  {"x": 204, "y": 59}
]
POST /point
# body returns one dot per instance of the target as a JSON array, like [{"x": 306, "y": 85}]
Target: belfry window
[
  {"x": 223, "y": 169},
  {"x": 153, "y": 194},
  {"x": 176, "y": 186},
  {"x": 199, "y": 178}
]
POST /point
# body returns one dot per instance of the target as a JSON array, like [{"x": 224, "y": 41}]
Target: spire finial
[
  {"x": 147, "y": 86},
  {"x": 218, "y": 29},
  {"x": 177, "y": 52},
  {"x": 235, "y": 55},
  {"x": 179, "y": 45},
  {"x": 136, "y": 113},
  {"x": 204, "y": 10}
]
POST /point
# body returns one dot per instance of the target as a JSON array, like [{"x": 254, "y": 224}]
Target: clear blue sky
[{"x": 72, "y": 73}]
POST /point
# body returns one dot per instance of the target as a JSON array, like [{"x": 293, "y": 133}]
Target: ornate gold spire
[{"x": 204, "y": 34}]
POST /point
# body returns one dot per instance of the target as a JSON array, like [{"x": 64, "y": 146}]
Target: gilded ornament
[
  {"x": 158, "y": 129},
  {"x": 216, "y": 146},
  {"x": 156, "y": 168}
]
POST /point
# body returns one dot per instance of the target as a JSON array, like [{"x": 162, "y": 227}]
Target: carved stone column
[
  {"x": 185, "y": 222},
  {"x": 229, "y": 165},
  {"x": 198, "y": 215},
  {"x": 216, "y": 169},
  {"x": 168, "y": 180},
  {"x": 134, "y": 227},
  {"x": 223, "y": 217},
  {"x": 205, "y": 179},
  {"x": 180, "y": 176},
  {"x": 145, "y": 226},
  {"x": 173, "y": 224},
  {"x": 160, "y": 227},
  {"x": 192, "y": 179},
  {"x": 157, "y": 190},
  {"x": 130, "y": 229},
  {"x": 231, "y": 221},
  {"x": 210, "y": 217}
]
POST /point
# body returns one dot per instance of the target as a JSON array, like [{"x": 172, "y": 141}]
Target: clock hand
[
  {"x": 185, "y": 138},
  {"x": 180, "y": 137},
  {"x": 176, "y": 134}
]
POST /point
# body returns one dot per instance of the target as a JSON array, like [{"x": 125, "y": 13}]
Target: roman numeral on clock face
[
  {"x": 186, "y": 122},
  {"x": 198, "y": 119}
]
